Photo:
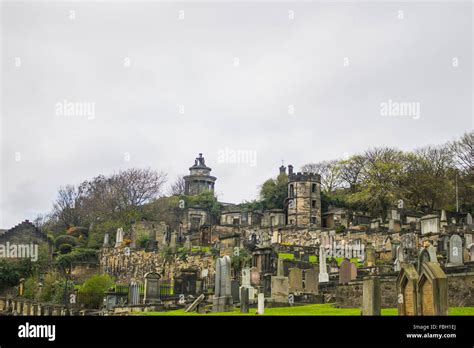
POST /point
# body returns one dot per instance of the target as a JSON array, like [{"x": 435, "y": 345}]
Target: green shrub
[{"x": 65, "y": 248}]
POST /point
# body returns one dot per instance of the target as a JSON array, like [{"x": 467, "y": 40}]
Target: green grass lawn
[{"x": 307, "y": 310}]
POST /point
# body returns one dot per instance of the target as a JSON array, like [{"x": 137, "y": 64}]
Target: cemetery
[{"x": 241, "y": 261}]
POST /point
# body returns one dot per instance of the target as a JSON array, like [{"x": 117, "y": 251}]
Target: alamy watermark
[
  {"x": 68, "y": 108},
  {"x": 400, "y": 109},
  {"x": 19, "y": 251},
  {"x": 337, "y": 249},
  {"x": 232, "y": 156}
]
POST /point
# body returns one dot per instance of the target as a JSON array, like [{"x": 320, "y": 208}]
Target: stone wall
[
  {"x": 460, "y": 292},
  {"x": 125, "y": 268},
  {"x": 350, "y": 295}
]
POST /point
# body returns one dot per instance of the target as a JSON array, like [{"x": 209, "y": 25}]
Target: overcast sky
[{"x": 302, "y": 82}]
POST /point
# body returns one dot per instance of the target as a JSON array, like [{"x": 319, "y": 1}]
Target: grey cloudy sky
[{"x": 237, "y": 69}]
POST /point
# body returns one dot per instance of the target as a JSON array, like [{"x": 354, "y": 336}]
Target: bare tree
[
  {"x": 177, "y": 188},
  {"x": 462, "y": 151},
  {"x": 330, "y": 174},
  {"x": 135, "y": 186}
]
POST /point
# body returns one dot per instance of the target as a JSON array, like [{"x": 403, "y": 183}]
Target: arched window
[{"x": 292, "y": 191}]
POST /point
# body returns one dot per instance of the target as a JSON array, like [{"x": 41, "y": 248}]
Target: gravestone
[
  {"x": 353, "y": 271},
  {"x": 467, "y": 238},
  {"x": 432, "y": 290},
  {"x": 406, "y": 290},
  {"x": 471, "y": 251},
  {"x": 187, "y": 243},
  {"x": 311, "y": 281},
  {"x": 371, "y": 296},
  {"x": 119, "y": 237},
  {"x": 244, "y": 300},
  {"x": 254, "y": 276},
  {"x": 345, "y": 272},
  {"x": 409, "y": 249},
  {"x": 280, "y": 288},
  {"x": 174, "y": 236},
  {"x": 369, "y": 260},
  {"x": 323, "y": 271},
  {"x": 152, "y": 288},
  {"x": 133, "y": 294},
  {"x": 223, "y": 301},
  {"x": 261, "y": 303},
  {"x": 245, "y": 278},
  {"x": 296, "y": 280},
  {"x": 106, "y": 241},
  {"x": 469, "y": 219},
  {"x": 455, "y": 251},
  {"x": 196, "y": 303},
  {"x": 235, "y": 290},
  {"x": 281, "y": 267}
]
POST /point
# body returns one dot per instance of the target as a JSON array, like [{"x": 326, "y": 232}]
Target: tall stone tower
[
  {"x": 304, "y": 199},
  {"x": 199, "y": 179}
]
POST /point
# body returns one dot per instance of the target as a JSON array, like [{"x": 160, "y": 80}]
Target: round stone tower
[
  {"x": 304, "y": 199},
  {"x": 199, "y": 179}
]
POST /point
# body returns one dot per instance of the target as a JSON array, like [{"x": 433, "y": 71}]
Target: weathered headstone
[
  {"x": 252, "y": 292},
  {"x": 119, "y": 237},
  {"x": 173, "y": 239},
  {"x": 244, "y": 300},
  {"x": 345, "y": 272},
  {"x": 223, "y": 301},
  {"x": 196, "y": 303},
  {"x": 369, "y": 260},
  {"x": 311, "y": 281},
  {"x": 106, "y": 241},
  {"x": 187, "y": 243},
  {"x": 152, "y": 288},
  {"x": 353, "y": 271},
  {"x": 296, "y": 280},
  {"x": 468, "y": 219},
  {"x": 323, "y": 271},
  {"x": 406, "y": 290},
  {"x": 254, "y": 276},
  {"x": 371, "y": 296},
  {"x": 280, "y": 289},
  {"x": 432, "y": 290},
  {"x": 455, "y": 251},
  {"x": 133, "y": 294}
]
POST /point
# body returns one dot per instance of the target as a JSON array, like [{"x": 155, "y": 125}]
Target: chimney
[
  {"x": 290, "y": 169},
  {"x": 282, "y": 169}
]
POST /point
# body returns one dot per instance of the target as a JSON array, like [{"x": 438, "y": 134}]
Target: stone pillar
[
  {"x": 261, "y": 303},
  {"x": 323, "y": 270},
  {"x": 371, "y": 297}
]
